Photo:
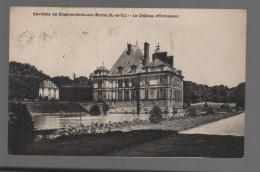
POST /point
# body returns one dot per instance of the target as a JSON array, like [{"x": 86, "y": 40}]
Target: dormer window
[
  {"x": 133, "y": 69},
  {"x": 120, "y": 70}
]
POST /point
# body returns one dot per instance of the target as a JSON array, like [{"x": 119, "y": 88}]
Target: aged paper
[{"x": 127, "y": 82}]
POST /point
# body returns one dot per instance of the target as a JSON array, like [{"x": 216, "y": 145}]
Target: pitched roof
[
  {"x": 48, "y": 84},
  {"x": 126, "y": 60},
  {"x": 158, "y": 62}
]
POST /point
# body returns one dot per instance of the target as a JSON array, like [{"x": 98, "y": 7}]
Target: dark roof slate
[
  {"x": 126, "y": 61},
  {"x": 158, "y": 62},
  {"x": 48, "y": 84}
]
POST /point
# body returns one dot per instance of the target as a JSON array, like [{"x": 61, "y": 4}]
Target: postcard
[{"x": 131, "y": 82}]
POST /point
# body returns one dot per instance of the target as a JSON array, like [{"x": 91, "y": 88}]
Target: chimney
[
  {"x": 129, "y": 46},
  {"x": 146, "y": 53}
]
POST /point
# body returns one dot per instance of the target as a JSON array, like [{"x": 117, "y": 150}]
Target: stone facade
[{"x": 135, "y": 85}]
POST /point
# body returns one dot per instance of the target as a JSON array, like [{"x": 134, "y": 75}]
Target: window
[
  {"x": 170, "y": 93},
  {"x": 133, "y": 94},
  {"x": 120, "y": 95},
  {"x": 162, "y": 91},
  {"x": 133, "y": 82},
  {"x": 146, "y": 94},
  {"x": 165, "y": 80},
  {"x": 126, "y": 83},
  {"x": 100, "y": 84},
  {"x": 146, "y": 81},
  {"x": 49, "y": 92},
  {"x": 120, "y": 70},
  {"x": 99, "y": 95},
  {"x": 126, "y": 95},
  {"x": 120, "y": 83},
  {"x": 133, "y": 69}
]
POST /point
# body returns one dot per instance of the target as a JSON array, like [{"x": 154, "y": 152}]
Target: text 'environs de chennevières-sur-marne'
[{"x": 123, "y": 15}]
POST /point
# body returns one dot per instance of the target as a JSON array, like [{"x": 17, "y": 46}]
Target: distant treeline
[
  {"x": 195, "y": 93},
  {"x": 24, "y": 81}
]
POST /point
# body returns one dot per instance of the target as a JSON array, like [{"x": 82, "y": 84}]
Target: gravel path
[{"x": 230, "y": 126}]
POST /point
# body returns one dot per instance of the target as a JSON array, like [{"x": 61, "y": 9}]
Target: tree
[
  {"x": 192, "y": 111},
  {"x": 155, "y": 115},
  {"x": 105, "y": 108},
  {"x": 20, "y": 128},
  {"x": 239, "y": 95},
  {"x": 95, "y": 110}
]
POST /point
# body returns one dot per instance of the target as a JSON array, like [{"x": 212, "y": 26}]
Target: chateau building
[
  {"x": 136, "y": 85},
  {"x": 49, "y": 89}
]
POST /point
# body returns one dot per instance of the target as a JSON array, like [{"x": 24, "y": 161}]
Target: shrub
[
  {"x": 205, "y": 105},
  {"x": 155, "y": 115},
  {"x": 53, "y": 100},
  {"x": 95, "y": 110},
  {"x": 46, "y": 98},
  {"x": 192, "y": 111},
  {"x": 40, "y": 98},
  {"x": 105, "y": 108},
  {"x": 20, "y": 128},
  {"x": 225, "y": 107},
  {"x": 210, "y": 111}
]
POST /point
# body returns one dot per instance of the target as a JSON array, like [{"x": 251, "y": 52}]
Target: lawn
[
  {"x": 188, "y": 145},
  {"x": 94, "y": 144},
  {"x": 142, "y": 143}
]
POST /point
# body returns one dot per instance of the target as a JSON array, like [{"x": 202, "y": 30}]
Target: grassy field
[
  {"x": 94, "y": 145},
  {"x": 186, "y": 145}
]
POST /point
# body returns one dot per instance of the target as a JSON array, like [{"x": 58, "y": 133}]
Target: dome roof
[
  {"x": 102, "y": 68},
  {"x": 48, "y": 84}
]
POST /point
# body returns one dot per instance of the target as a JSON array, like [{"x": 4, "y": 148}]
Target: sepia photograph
[{"x": 127, "y": 82}]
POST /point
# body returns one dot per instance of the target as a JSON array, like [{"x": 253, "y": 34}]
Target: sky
[{"x": 208, "y": 45}]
